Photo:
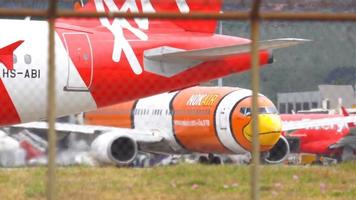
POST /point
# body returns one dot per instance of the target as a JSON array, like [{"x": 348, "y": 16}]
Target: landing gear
[
  {"x": 318, "y": 160},
  {"x": 210, "y": 159},
  {"x": 263, "y": 157},
  {"x": 203, "y": 160}
]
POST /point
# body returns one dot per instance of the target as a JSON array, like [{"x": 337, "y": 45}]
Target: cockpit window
[
  {"x": 79, "y": 3},
  {"x": 262, "y": 110},
  {"x": 273, "y": 110},
  {"x": 268, "y": 110},
  {"x": 245, "y": 111}
]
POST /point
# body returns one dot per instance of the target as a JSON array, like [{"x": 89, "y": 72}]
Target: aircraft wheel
[
  {"x": 216, "y": 160},
  {"x": 203, "y": 160},
  {"x": 317, "y": 161}
]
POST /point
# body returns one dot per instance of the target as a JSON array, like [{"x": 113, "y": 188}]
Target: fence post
[
  {"x": 255, "y": 77},
  {"x": 51, "y": 102}
]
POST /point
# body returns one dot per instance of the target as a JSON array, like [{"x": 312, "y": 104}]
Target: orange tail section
[{"x": 180, "y": 6}]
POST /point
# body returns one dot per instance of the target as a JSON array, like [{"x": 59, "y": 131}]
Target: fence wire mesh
[{"x": 110, "y": 41}]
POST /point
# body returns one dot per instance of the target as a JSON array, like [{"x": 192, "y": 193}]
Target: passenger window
[
  {"x": 14, "y": 58},
  {"x": 27, "y": 59},
  {"x": 85, "y": 57}
]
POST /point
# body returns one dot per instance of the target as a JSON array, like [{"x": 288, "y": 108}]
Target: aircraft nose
[{"x": 270, "y": 128}]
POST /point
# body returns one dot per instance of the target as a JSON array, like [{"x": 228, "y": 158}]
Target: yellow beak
[{"x": 270, "y": 128}]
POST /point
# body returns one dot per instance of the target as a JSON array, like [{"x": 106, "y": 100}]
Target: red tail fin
[
  {"x": 345, "y": 113},
  {"x": 184, "y": 6},
  {"x": 6, "y": 54}
]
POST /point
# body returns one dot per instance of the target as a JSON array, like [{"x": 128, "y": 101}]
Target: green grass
[{"x": 183, "y": 182}]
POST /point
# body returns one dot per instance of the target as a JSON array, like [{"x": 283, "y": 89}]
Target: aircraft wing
[
  {"x": 110, "y": 145},
  {"x": 349, "y": 140},
  {"x": 169, "y": 61},
  {"x": 314, "y": 123},
  {"x": 141, "y": 136}
]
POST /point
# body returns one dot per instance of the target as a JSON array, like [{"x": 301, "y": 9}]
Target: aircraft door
[
  {"x": 223, "y": 118},
  {"x": 80, "y": 54}
]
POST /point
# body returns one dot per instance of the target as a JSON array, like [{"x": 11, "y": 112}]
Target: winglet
[{"x": 6, "y": 54}]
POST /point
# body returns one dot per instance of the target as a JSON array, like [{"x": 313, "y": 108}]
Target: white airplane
[{"x": 102, "y": 62}]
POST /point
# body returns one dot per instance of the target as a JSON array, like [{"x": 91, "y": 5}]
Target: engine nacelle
[
  {"x": 113, "y": 147},
  {"x": 279, "y": 152}
]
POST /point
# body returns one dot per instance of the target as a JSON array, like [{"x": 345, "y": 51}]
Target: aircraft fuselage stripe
[
  {"x": 172, "y": 111},
  {"x": 214, "y": 122}
]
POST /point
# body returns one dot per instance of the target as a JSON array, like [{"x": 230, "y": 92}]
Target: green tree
[{"x": 342, "y": 76}]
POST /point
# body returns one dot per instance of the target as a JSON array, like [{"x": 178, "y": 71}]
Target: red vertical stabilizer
[
  {"x": 345, "y": 113},
  {"x": 175, "y": 6}
]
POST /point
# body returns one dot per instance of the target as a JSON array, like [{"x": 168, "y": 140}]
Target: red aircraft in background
[
  {"x": 103, "y": 61},
  {"x": 336, "y": 141}
]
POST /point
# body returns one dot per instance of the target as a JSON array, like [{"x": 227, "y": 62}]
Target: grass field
[{"x": 183, "y": 182}]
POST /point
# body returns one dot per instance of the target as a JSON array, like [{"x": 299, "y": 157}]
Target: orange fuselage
[{"x": 198, "y": 119}]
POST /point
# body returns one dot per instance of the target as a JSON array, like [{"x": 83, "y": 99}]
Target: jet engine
[
  {"x": 113, "y": 147},
  {"x": 279, "y": 152}
]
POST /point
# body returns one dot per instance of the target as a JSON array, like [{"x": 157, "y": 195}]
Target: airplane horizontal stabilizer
[{"x": 169, "y": 61}]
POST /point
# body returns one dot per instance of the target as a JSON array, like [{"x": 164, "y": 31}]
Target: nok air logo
[{"x": 202, "y": 100}]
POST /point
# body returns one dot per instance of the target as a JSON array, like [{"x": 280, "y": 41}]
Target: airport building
[{"x": 327, "y": 97}]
